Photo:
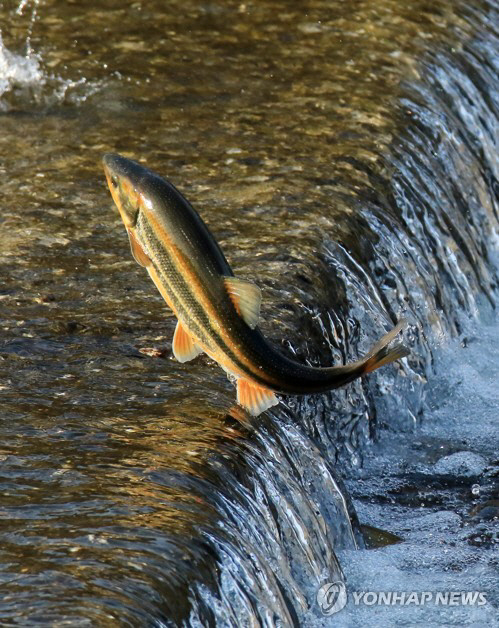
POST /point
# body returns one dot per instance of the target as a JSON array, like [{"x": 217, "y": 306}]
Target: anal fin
[
  {"x": 255, "y": 399},
  {"x": 184, "y": 347}
]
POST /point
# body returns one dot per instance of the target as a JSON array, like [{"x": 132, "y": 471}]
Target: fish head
[
  {"x": 137, "y": 190},
  {"x": 123, "y": 178}
]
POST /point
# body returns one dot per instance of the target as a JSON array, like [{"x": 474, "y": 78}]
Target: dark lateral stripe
[
  {"x": 190, "y": 297},
  {"x": 169, "y": 278},
  {"x": 185, "y": 300}
]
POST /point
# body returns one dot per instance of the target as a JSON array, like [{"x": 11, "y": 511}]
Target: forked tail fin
[{"x": 381, "y": 354}]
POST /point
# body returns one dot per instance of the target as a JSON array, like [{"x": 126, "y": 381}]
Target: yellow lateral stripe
[
  {"x": 208, "y": 332},
  {"x": 169, "y": 288},
  {"x": 185, "y": 270},
  {"x": 159, "y": 283}
]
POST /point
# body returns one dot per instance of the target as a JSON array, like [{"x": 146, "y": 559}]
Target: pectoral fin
[
  {"x": 184, "y": 347},
  {"x": 255, "y": 399},
  {"x": 246, "y": 297},
  {"x": 137, "y": 251}
]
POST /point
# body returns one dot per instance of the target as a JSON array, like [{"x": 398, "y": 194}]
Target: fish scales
[
  {"x": 217, "y": 313},
  {"x": 179, "y": 284}
]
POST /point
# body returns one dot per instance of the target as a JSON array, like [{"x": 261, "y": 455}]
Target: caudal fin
[{"x": 381, "y": 354}]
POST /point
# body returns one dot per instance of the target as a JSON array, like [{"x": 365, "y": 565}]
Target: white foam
[
  {"x": 18, "y": 71},
  {"x": 428, "y": 488}
]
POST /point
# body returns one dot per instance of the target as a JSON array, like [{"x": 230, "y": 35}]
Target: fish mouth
[{"x": 125, "y": 196}]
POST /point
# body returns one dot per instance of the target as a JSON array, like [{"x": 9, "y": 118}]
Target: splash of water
[
  {"x": 25, "y": 82},
  {"x": 22, "y": 74},
  {"x": 34, "y": 12}
]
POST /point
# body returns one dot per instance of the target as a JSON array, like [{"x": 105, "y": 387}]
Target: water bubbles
[
  {"x": 19, "y": 11},
  {"x": 24, "y": 3},
  {"x": 475, "y": 490}
]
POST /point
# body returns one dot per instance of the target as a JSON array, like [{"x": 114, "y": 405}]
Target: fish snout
[{"x": 125, "y": 196}]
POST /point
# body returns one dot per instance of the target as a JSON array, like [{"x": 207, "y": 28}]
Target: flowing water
[{"x": 345, "y": 157}]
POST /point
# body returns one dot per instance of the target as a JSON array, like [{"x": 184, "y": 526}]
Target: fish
[{"x": 217, "y": 313}]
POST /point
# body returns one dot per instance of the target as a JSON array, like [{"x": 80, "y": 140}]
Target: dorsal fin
[
  {"x": 246, "y": 297},
  {"x": 184, "y": 347},
  {"x": 137, "y": 251},
  {"x": 255, "y": 399}
]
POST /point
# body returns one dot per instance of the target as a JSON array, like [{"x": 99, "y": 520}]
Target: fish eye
[{"x": 114, "y": 181}]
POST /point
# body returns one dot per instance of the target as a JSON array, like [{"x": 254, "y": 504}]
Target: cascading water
[{"x": 346, "y": 160}]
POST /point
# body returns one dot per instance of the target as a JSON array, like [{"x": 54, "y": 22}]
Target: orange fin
[
  {"x": 255, "y": 399},
  {"x": 137, "y": 251},
  {"x": 184, "y": 347},
  {"x": 246, "y": 297}
]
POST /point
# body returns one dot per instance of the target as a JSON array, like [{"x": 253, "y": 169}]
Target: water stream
[{"x": 345, "y": 157}]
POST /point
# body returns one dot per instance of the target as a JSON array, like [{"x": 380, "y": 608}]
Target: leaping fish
[{"x": 216, "y": 312}]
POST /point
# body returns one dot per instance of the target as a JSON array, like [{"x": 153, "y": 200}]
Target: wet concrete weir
[{"x": 345, "y": 157}]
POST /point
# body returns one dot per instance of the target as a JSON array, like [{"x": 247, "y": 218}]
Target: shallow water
[{"x": 346, "y": 159}]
